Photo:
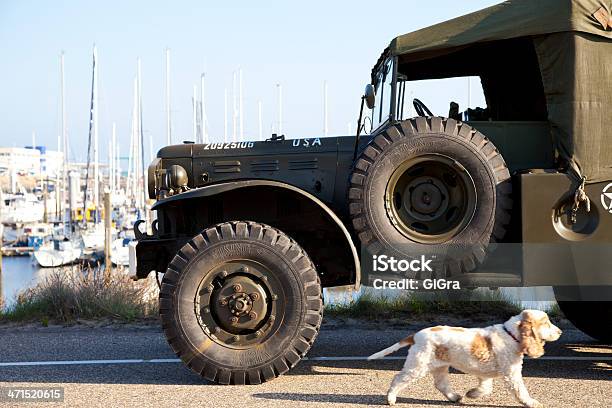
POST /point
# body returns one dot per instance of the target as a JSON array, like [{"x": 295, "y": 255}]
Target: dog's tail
[{"x": 408, "y": 341}]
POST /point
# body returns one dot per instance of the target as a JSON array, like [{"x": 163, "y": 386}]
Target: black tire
[
  {"x": 593, "y": 317},
  {"x": 462, "y": 250},
  {"x": 296, "y": 303}
]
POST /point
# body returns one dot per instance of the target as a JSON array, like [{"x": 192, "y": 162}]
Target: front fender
[{"x": 216, "y": 189}]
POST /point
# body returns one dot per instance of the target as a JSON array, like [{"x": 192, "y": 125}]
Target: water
[{"x": 18, "y": 273}]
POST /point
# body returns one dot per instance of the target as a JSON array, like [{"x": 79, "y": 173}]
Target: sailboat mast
[
  {"x": 280, "y": 109},
  {"x": 61, "y": 136},
  {"x": 111, "y": 159},
  {"x": 234, "y": 108},
  {"x": 64, "y": 149},
  {"x": 225, "y": 115},
  {"x": 325, "y": 129},
  {"x": 195, "y": 114},
  {"x": 143, "y": 176},
  {"x": 240, "y": 104},
  {"x": 259, "y": 120},
  {"x": 117, "y": 175},
  {"x": 95, "y": 135},
  {"x": 130, "y": 185},
  {"x": 204, "y": 118},
  {"x": 168, "y": 117},
  {"x": 90, "y": 135}
]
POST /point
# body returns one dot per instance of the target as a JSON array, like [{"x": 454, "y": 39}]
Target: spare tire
[{"x": 431, "y": 185}]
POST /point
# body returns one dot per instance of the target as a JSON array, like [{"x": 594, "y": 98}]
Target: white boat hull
[
  {"x": 49, "y": 257},
  {"x": 120, "y": 254}
]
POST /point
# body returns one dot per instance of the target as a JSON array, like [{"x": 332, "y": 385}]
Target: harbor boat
[
  {"x": 120, "y": 254},
  {"x": 22, "y": 208},
  {"x": 59, "y": 252},
  {"x": 93, "y": 237},
  {"x": 34, "y": 235}
]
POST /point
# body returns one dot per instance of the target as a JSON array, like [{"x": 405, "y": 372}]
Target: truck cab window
[{"x": 384, "y": 90}]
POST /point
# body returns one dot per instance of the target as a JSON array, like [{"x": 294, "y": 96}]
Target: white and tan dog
[{"x": 488, "y": 353}]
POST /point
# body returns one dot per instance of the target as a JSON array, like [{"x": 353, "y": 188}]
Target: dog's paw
[
  {"x": 391, "y": 399},
  {"x": 474, "y": 393},
  {"x": 534, "y": 404},
  {"x": 452, "y": 397}
]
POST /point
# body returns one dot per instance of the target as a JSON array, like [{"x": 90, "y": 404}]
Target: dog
[{"x": 488, "y": 353}]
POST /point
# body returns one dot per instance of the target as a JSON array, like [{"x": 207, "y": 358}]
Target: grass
[
  {"x": 67, "y": 295},
  {"x": 373, "y": 305}
]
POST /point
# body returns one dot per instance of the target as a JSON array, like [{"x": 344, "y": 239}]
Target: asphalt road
[{"x": 562, "y": 381}]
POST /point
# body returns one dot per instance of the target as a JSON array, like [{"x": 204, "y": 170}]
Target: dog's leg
[
  {"x": 485, "y": 387},
  {"x": 415, "y": 367},
  {"x": 440, "y": 376},
  {"x": 514, "y": 381}
]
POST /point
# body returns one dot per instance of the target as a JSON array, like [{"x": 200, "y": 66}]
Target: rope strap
[{"x": 580, "y": 196}]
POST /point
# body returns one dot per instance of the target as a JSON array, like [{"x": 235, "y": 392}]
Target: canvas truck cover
[{"x": 573, "y": 43}]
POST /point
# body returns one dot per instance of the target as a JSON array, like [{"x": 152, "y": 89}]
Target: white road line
[
  {"x": 176, "y": 360},
  {"x": 86, "y": 362},
  {"x": 551, "y": 358}
]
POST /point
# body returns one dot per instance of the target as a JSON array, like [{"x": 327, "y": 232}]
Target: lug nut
[
  {"x": 245, "y": 269},
  {"x": 205, "y": 310},
  {"x": 234, "y": 319},
  {"x": 254, "y": 296},
  {"x": 237, "y": 287},
  {"x": 223, "y": 302},
  {"x": 264, "y": 278},
  {"x": 223, "y": 274},
  {"x": 274, "y": 297},
  {"x": 236, "y": 338},
  {"x": 272, "y": 318},
  {"x": 217, "y": 330},
  {"x": 253, "y": 315},
  {"x": 258, "y": 333}
]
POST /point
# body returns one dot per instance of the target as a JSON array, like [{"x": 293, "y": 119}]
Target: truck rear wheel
[
  {"x": 593, "y": 317},
  {"x": 241, "y": 303},
  {"x": 431, "y": 186}
]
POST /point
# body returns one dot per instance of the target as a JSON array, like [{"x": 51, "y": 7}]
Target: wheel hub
[
  {"x": 430, "y": 198},
  {"x": 426, "y": 196},
  {"x": 237, "y": 304},
  {"x": 240, "y": 303}
]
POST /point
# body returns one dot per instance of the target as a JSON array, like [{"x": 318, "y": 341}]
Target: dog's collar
[{"x": 510, "y": 333}]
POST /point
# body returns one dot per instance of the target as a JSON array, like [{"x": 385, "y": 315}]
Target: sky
[{"x": 299, "y": 45}]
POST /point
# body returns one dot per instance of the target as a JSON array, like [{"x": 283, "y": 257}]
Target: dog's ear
[{"x": 531, "y": 343}]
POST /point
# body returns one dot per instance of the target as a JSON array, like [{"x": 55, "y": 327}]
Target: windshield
[{"x": 384, "y": 88}]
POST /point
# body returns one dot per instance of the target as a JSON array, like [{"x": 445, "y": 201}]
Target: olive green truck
[{"x": 248, "y": 233}]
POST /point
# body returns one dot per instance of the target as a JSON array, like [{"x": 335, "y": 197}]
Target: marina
[{"x": 62, "y": 213}]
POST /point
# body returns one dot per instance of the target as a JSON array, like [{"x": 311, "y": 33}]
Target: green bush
[
  {"x": 376, "y": 305},
  {"x": 67, "y": 295}
]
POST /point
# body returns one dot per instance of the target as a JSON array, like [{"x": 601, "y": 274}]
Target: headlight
[
  {"x": 177, "y": 178},
  {"x": 166, "y": 182},
  {"x": 152, "y": 175}
]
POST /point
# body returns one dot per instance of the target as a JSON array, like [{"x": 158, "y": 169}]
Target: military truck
[{"x": 248, "y": 233}]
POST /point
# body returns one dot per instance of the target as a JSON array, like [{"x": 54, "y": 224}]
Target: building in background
[{"x": 27, "y": 161}]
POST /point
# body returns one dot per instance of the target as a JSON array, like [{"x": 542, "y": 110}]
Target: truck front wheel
[{"x": 241, "y": 303}]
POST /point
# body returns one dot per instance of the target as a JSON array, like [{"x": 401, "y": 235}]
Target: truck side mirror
[{"x": 369, "y": 95}]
